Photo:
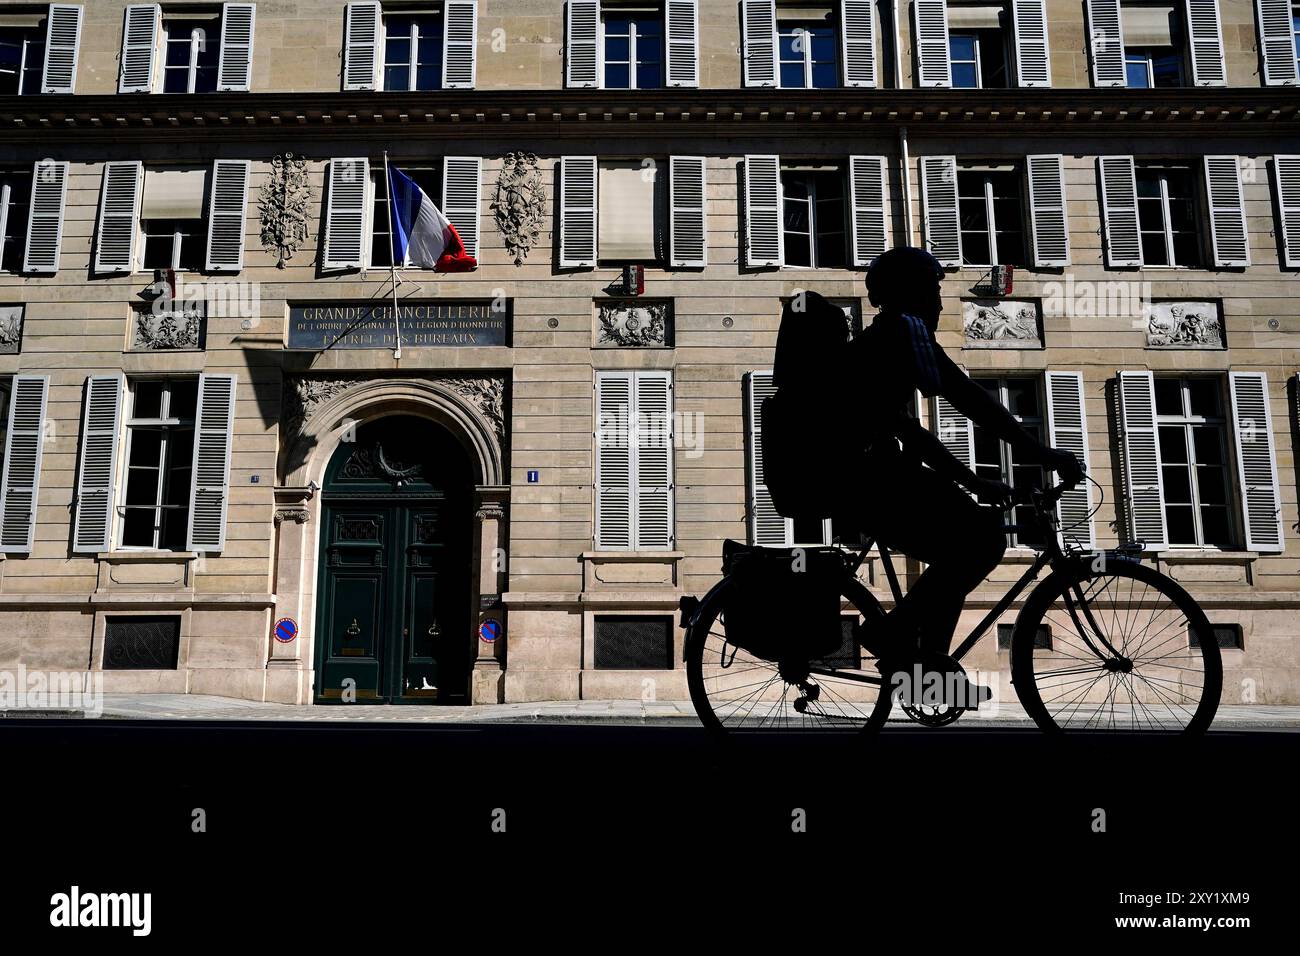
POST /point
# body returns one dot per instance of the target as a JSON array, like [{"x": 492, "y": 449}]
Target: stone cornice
[{"x": 582, "y": 113}]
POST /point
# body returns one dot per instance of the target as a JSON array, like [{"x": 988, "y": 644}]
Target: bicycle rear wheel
[
  {"x": 1126, "y": 649},
  {"x": 735, "y": 691}
]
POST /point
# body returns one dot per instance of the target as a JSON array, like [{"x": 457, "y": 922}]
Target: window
[
  {"x": 1194, "y": 461},
  {"x": 22, "y": 59},
  {"x": 191, "y": 43},
  {"x": 630, "y": 218},
  {"x": 1295, "y": 33},
  {"x": 1166, "y": 197},
  {"x": 172, "y": 218},
  {"x": 1147, "y": 68},
  {"x": 381, "y": 241},
  {"x": 412, "y": 52},
  {"x": 995, "y": 460},
  {"x": 979, "y": 59},
  {"x": 992, "y": 217},
  {"x": 809, "y": 53},
  {"x": 15, "y": 201},
  {"x": 141, "y": 643},
  {"x": 1153, "y": 45},
  {"x": 634, "y": 50},
  {"x": 159, "y": 458},
  {"x": 813, "y": 218},
  {"x": 634, "y": 461},
  {"x": 1225, "y": 635}
]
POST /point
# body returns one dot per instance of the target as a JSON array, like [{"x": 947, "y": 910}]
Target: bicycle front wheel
[{"x": 1123, "y": 648}]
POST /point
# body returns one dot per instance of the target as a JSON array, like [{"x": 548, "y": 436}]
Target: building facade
[{"x": 224, "y": 473}]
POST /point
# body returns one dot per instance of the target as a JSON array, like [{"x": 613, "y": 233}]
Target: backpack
[{"x": 803, "y": 433}]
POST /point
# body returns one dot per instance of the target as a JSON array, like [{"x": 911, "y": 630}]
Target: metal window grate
[
  {"x": 634, "y": 643},
  {"x": 141, "y": 643},
  {"x": 849, "y": 655},
  {"x": 1226, "y": 635},
  {"x": 1043, "y": 639}
]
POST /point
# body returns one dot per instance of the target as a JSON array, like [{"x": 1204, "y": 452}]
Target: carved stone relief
[
  {"x": 159, "y": 330},
  {"x": 1001, "y": 324},
  {"x": 11, "y": 329},
  {"x": 1184, "y": 325},
  {"x": 634, "y": 324},
  {"x": 520, "y": 204},
  {"x": 284, "y": 203}
]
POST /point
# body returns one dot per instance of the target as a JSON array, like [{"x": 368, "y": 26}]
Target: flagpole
[{"x": 392, "y": 257}]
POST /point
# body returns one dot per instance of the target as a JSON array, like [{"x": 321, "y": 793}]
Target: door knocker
[
  {"x": 352, "y": 629},
  {"x": 433, "y": 629}
]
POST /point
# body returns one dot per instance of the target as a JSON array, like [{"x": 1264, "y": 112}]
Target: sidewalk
[{"x": 200, "y": 707}]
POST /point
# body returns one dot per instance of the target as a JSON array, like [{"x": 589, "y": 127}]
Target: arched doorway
[{"x": 393, "y": 608}]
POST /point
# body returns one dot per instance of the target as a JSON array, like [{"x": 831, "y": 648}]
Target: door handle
[
  {"x": 433, "y": 629},
  {"x": 352, "y": 629}
]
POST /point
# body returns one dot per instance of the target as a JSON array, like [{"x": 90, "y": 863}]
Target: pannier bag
[{"x": 776, "y": 612}]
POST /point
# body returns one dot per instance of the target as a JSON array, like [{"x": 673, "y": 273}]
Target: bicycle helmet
[{"x": 896, "y": 276}]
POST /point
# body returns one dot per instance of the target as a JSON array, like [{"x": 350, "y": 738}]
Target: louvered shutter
[
  {"x": 214, "y": 423},
  {"x": 858, "y": 39},
  {"x": 363, "y": 33},
  {"x": 1047, "y": 210},
  {"x": 1277, "y": 42},
  {"x": 459, "y": 39},
  {"x": 1205, "y": 41},
  {"x": 461, "y": 177},
  {"x": 45, "y": 218},
  {"x": 140, "y": 41},
  {"x": 582, "y": 44},
  {"x": 1033, "y": 53},
  {"x": 226, "y": 206},
  {"x": 939, "y": 204},
  {"x": 92, "y": 525},
  {"x": 62, "y": 40},
  {"x": 683, "y": 47},
  {"x": 1228, "y": 237},
  {"x": 930, "y": 23},
  {"x": 577, "y": 211},
  {"x": 758, "y": 39},
  {"x": 1143, "y": 481},
  {"x": 1106, "y": 43},
  {"x": 955, "y": 431},
  {"x": 119, "y": 211},
  {"x": 345, "y": 214},
  {"x": 1119, "y": 210},
  {"x": 686, "y": 200},
  {"x": 614, "y": 460},
  {"x": 1067, "y": 428},
  {"x": 1256, "y": 462},
  {"x": 20, "y": 483},
  {"x": 653, "y": 515},
  {"x": 235, "y": 70},
  {"x": 766, "y": 525},
  {"x": 1286, "y": 180},
  {"x": 867, "y": 185},
  {"x": 764, "y": 242}
]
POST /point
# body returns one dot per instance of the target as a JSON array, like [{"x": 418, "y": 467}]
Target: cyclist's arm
[{"x": 924, "y": 444}]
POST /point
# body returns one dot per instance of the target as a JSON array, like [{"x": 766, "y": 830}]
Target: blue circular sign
[
  {"x": 489, "y": 630},
  {"x": 286, "y": 629}
]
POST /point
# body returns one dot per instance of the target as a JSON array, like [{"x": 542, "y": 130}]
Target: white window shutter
[
  {"x": 766, "y": 525},
  {"x": 214, "y": 424},
  {"x": 653, "y": 515},
  {"x": 227, "y": 202},
  {"x": 1286, "y": 180},
  {"x": 119, "y": 212},
  {"x": 363, "y": 37},
  {"x": 235, "y": 69},
  {"x": 346, "y": 214},
  {"x": 758, "y": 42},
  {"x": 1144, "y": 487},
  {"x": 1228, "y": 237},
  {"x": 1033, "y": 53},
  {"x": 577, "y": 211},
  {"x": 582, "y": 44},
  {"x": 683, "y": 46},
  {"x": 930, "y": 25},
  {"x": 1277, "y": 42},
  {"x": 764, "y": 241},
  {"x": 461, "y": 192},
  {"x": 1119, "y": 210},
  {"x": 858, "y": 42},
  {"x": 92, "y": 525},
  {"x": 1256, "y": 462},
  {"x": 140, "y": 43},
  {"x": 687, "y": 200},
  {"x": 1047, "y": 210},
  {"x": 45, "y": 218},
  {"x": 1106, "y": 43},
  {"x": 939, "y": 205},
  {"x": 20, "y": 483},
  {"x": 62, "y": 40},
  {"x": 614, "y": 460},
  {"x": 1067, "y": 428},
  {"x": 1205, "y": 42},
  {"x": 954, "y": 430},
  {"x": 867, "y": 191},
  {"x": 459, "y": 40}
]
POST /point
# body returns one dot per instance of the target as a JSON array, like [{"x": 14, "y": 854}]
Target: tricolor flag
[{"x": 422, "y": 231}]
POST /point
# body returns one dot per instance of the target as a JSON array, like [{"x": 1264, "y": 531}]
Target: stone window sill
[
  {"x": 127, "y": 556},
  {"x": 1205, "y": 556}
]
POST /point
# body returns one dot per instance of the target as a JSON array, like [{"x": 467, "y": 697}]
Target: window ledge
[
  {"x": 123, "y": 557},
  {"x": 1205, "y": 556}
]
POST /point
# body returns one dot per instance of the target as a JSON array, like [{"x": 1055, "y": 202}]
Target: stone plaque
[
  {"x": 426, "y": 323},
  {"x": 1184, "y": 325},
  {"x": 634, "y": 323},
  {"x": 11, "y": 329},
  {"x": 1001, "y": 324}
]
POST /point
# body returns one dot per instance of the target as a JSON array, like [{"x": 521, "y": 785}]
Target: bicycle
[{"x": 1117, "y": 653}]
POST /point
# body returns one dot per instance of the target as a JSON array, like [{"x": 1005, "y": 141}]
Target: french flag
[{"x": 421, "y": 231}]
